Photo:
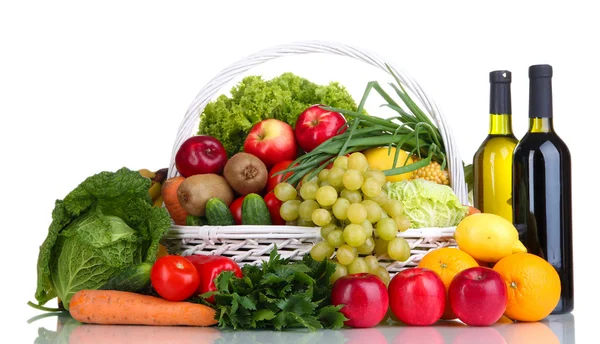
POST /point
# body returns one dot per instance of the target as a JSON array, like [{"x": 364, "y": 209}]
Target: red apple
[
  {"x": 417, "y": 296},
  {"x": 200, "y": 155},
  {"x": 315, "y": 125},
  {"x": 271, "y": 141},
  {"x": 478, "y": 296},
  {"x": 364, "y": 297}
]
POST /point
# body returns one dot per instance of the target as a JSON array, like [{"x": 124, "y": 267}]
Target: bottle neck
[
  {"x": 500, "y": 98},
  {"x": 540, "y": 125},
  {"x": 500, "y": 124},
  {"x": 540, "y": 97}
]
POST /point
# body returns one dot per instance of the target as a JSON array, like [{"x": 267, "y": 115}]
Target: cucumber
[
  {"x": 218, "y": 213},
  {"x": 192, "y": 220},
  {"x": 132, "y": 279},
  {"x": 255, "y": 211}
]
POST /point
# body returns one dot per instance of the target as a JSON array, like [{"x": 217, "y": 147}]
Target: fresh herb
[
  {"x": 278, "y": 294},
  {"x": 285, "y": 97}
]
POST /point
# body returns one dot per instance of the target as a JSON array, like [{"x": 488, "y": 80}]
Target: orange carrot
[
  {"x": 169, "y": 195},
  {"x": 123, "y": 308}
]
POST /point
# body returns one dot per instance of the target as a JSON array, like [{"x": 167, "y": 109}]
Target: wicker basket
[{"x": 252, "y": 244}]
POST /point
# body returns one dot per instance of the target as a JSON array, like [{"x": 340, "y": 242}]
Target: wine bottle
[
  {"x": 542, "y": 187},
  {"x": 492, "y": 163}
]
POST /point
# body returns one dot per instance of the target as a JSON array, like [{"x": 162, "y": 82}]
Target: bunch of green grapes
[{"x": 358, "y": 220}]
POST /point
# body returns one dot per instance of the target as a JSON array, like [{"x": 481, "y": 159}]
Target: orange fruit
[
  {"x": 447, "y": 262},
  {"x": 528, "y": 332},
  {"x": 533, "y": 286}
]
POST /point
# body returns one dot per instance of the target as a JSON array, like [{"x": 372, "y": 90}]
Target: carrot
[
  {"x": 169, "y": 195},
  {"x": 129, "y": 334},
  {"x": 113, "y": 307}
]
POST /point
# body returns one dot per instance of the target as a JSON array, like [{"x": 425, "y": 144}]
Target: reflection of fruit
[
  {"x": 447, "y": 262},
  {"x": 417, "y": 296},
  {"x": 364, "y": 297},
  {"x": 488, "y": 237},
  {"x": 528, "y": 332},
  {"x": 379, "y": 159},
  {"x": 364, "y": 335},
  {"x": 533, "y": 286},
  {"x": 417, "y": 335},
  {"x": 488, "y": 335},
  {"x": 478, "y": 296}
]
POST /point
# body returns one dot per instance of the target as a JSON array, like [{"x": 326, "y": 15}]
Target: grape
[
  {"x": 325, "y": 183},
  {"x": 340, "y": 208},
  {"x": 354, "y": 235},
  {"x": 368, "y": 228},
  {"x": 352, "y": 196},
  {"x": 326, "y": 195},
  {"x": 285, "y": 192},
  {"x": 358, "y": 266},
  {"x": 305, "y": 179},
  {"x": 309, "y": 190},
  {"x": 384, "y": 215},
  {"x": 323, "y": 175},
  {"x": 306, "y": 209},
  {"x": 373, "y": 210},
  {"x": 357, "y": 213},
  {"x": 357, "y": 161},
  {"x": 321, "y": 251},
  {"x": 352, "y": 180},
  {"x": 383, "y": 274},
  {"x": 321, "y": 217},
  {"x": 398, "y": 249},
  {"x": 341, "y": 161},
  {"x": 372, "y": 263},
  {"x": 381, "y": 247},
  {"x": 367, "y": 247},
  {"x": 378, "y": 175},
  {"x": 335, "y": 177},
  {"x": 325, "y": 230},
  {"x": 393, "y": 207},
  {"x": 386, "y": 229},
  {"x": 340, "y": 271},
  {"x": 336, "y": 238},
  {"x": 371, "y": 188},
  {"x": 402, "y": 222},
  {"x": 345, "y": 254},
  {"x": 291, "y": 223},
  {"x": 380, "y": 198},
  {"x": 289, "y": 210},
  {"x": 303, "y": 223}
]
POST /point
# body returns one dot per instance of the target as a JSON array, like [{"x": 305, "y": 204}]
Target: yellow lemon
[
  {"x": 379, "y": 159},
  {"x": 488, "y": 237}
]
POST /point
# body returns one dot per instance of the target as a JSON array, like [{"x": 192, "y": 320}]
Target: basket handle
[{"x": 188, "y": 127}]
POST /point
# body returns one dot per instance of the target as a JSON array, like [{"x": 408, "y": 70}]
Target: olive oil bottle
[
  {"x": 492, "y": 163},
  {"x": 542, "y": 187}
]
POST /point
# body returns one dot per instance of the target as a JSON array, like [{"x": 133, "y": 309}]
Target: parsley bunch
[{"x": 279, "y": 294}]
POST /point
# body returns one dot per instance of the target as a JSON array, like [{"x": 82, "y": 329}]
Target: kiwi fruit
[
  {"x": 196, "y": 190},
  {"x": 246, "y": 174}
]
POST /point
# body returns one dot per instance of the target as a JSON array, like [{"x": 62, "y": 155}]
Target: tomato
[
  {"x": 273, "y": 204},
  {"x": 174, "y": 278},
  {"x": 236, "y": 210},
  {"x": 274, "y": 180}
]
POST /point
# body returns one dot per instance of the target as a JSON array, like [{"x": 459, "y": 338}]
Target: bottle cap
[
  {"x": 500, "y": 76},
  {"x": 540, "y": 71}
]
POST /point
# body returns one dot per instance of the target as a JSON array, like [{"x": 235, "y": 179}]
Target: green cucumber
[
  {"x": 132, "y": 279},
  {"x": 192, "y": 220},
  {"x": 255, "y": 211},
  {"x": 218, "y": 213}
]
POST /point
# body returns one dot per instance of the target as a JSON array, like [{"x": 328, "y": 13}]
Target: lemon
[
  {"x": 488, "y": 237},
  {"x": 379, "y": 159}
]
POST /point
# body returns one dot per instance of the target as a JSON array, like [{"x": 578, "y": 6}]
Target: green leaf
[
  {"x": 299, "y": 304},
  {"x": 271, "y": 278},
  {"x": 222, "y": 281},
  {"x": 309, "y": 322},
  {"x": 245, "y": 301},
  {"x": 331, "y": 317},
  {"x": 263, "y": 314}
]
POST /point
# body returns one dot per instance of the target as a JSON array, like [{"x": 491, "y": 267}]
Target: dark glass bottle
[{"x": 542, "y": 187}]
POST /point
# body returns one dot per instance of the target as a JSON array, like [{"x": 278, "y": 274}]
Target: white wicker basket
[{"x": 252, "y": 244}]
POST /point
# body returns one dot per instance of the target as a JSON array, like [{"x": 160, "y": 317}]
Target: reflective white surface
[{"x": 554, "y": 329}]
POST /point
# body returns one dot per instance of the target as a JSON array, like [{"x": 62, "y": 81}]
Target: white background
[{"x": 93, "y": 86}]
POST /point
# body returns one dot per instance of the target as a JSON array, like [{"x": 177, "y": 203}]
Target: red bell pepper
[{"x": 209, "y": 267}]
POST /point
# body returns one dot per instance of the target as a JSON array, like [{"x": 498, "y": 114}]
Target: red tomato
[
  {"x": 174, "y": 278},
  {"x": 236, "y": 210},
  {"x": 274, "y": 180},
  {"x": 273, "y": 204}
]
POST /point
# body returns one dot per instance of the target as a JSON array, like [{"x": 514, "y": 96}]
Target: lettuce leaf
[
  {"x": 103, "y": 226},
  {"x": 428, "y": 204}
]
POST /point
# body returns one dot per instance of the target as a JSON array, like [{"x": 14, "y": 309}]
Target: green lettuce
[
  {"x": 428, "y": 204},
  {"x": 103, "y": 226},
  {"x": 285, "y": 97}
]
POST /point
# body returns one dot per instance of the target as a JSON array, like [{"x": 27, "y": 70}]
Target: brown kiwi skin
[
  {"x": 196, "y": 190},
  {"x": 246, "y": 174}
]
